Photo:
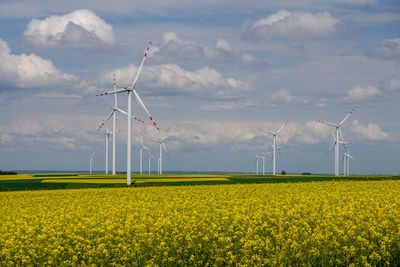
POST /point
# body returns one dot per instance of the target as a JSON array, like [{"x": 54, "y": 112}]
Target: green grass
[
  {"x": 55, "y": 175},
  {"x": 73, "y": 180}
]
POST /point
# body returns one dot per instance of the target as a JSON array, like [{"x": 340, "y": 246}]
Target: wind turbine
[
  {"x": 275, "y": 142},
  {"x": 338, "y": 133},
  {"x": 107, "y": 134},
  {"x": 158, "y": 164},
  {"x": 162, "y": 146},
  {"x": 91, "y": 159},
  {"x": 346, "y": 161},
  {"x": 256, "y": 161},
  {"x": 129, "y": 90},
  {"x": 149, "y": 157},
  {"x": 348, "y": 157},
  {"x": 140, "y": 148},
  {"x": 113, "y": 114},
  {"x": 263, "y": 154}
]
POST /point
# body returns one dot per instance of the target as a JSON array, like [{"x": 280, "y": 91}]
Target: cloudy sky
[{"x": 217, "y": 71}]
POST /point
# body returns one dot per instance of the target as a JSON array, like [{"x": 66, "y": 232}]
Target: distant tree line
[{"x": 7, "y": 172}]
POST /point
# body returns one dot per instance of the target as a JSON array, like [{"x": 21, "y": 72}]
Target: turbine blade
[
  {"x": 115, "y": 95},
  {"x": 348, "y": 115},
  {"x": 133, "y": 117},
  {"x": 145, "y": 147},
  {"x": 261, "y": 129},
  {"x": 140, "y": 66},
  {"x": 139, "y": 100},
  {"x": 164, "y": 147},
  {"x": 341, "y": 134},
  {"x": 327, "y": 123},
  {"x": 345, "y": 147},
  {"x": 333, "y": 136},
  {"x": 282, "y": 127},
  {"x": 330, "y": 149},
  {"x": 102, "y": 124},
  {"x": 123, "y": 112},
  {"x": 279, "y": 147},
  {"x": 113, "y": 92}
]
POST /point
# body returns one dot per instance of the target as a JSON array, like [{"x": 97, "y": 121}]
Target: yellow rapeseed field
[{"x": 319, "y": 223}]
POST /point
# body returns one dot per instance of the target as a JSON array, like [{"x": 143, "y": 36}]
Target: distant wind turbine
[
  {"x": 263, "y": 154},
  {"x": 256, "y": 161},
  {"x": 140, "y": 148},
  {"x": 338, "y": 134},
  {"x": 129, "y": 90},
  {"x": 150, "y": 157},
  {"x": 91, "y": 159},
  {"x": 162, "y": 146},
  {"x": 346, "y": 161},
  {"x": 275, "y": 142}
]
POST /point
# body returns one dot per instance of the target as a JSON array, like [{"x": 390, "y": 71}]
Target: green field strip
[
  {"x": 86, "y": 181},
  {"x": 180, "y": 180},
  {"x": 123, "y": 181},
  {"x": 55, "y": 175}
]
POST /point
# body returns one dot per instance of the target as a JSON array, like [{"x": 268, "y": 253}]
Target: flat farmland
[
  {"x": 309, "y": 223},
  {"x": 74, "y": 180}
]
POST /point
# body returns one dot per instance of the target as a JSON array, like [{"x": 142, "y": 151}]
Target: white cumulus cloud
[
  {"x": 370, "y": 132},
  {"x": 171, "y": 79},
  {"x": 29, "y": 71},
  {"x": 389, "y": 49},
  {"x": 174, "y": 47},
  {"x": 297, "y": 25},
  {"x": 359, "y": 93},
  {"x": 283, "y": 96},
  {"x": 79, "y": 29}
]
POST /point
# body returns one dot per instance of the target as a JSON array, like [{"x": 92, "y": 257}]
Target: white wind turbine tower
[
  {"x": 91, "y": 159},
  {"x": 140, "y": 148},
  {"x": 113, "y": 114},
  {"x": 162, "y": 146},
  {"x": 158, "y": 164},
  {"x": 149, "y": 157},
  {"x": 346, "y": 161},
  {"x": 129, "y": 90},
  {"x": 107, "y": 134},
  {"x": 338, "y": 133},
  {"x": 348, "y": 157},
  {"x": 256, "y": 161},
  {"x": 263, "y": 154},
  {"x": 275, "y": 142}
]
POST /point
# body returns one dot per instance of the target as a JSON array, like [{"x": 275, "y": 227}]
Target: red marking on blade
[
  {"x": 145, "y": 54},
  {"x": 106, "y": 93},
  {"x": 151, "y": 118},
  {"x": 158, "y": 128},
  {"x": 148, "y": 48},
  {"x": 154, "y": 124},
  {"x": 150, "y": 42}
]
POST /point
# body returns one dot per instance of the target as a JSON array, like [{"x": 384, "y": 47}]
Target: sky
[{"x": 217, "y": 71}]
